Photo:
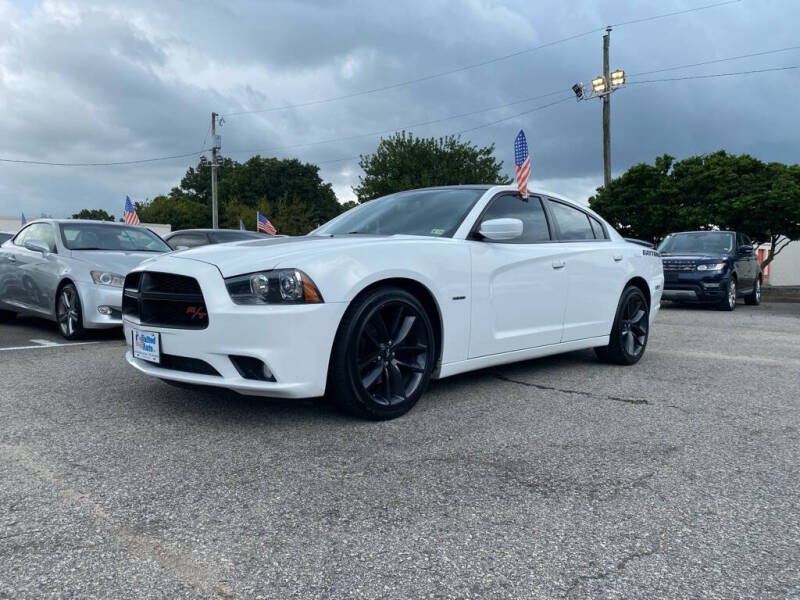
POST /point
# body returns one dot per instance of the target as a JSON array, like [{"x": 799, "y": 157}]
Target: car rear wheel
[
  {"x": 383, "y": 355},
  {"x": 628, "y": 339},
  {"x": 728, "y": 303},
  {"x": 68, "y": 313},
  {"x": 754, "y": 298}
]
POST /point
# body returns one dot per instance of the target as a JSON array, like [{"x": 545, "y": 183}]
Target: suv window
[
  {"x": 572, "y": 223},
  {"x": 38, "y": 232},
  {"x": 530, "y": 212},
  {"x": 190, "y": 240}
]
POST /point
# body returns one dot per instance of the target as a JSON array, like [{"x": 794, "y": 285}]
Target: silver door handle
[
  {"x": 12, "y": 258},
  {"x": 617, "y": 257},
  {"x": 559, "y": 264}
]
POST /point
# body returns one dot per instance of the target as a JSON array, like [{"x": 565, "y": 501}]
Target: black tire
[
  {"x": 629, "y": 334},
  {"x": 6, "y": 316},
  {"x": 728, "y": 303},
  {"x": 754, "y": 297},
  {"x": 69, "y": 313},
  {"x": 383, "y": 355}
]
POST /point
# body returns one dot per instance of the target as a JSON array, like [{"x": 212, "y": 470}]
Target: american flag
[
  {"x": 23, "y": 220},
  {"x": 522, "y": 163},
  {"x": 263, "y": 224},
  {"x": 131, "y": 218}
]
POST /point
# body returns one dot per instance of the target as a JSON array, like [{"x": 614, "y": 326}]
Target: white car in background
[{"x": 372, "y": 305}]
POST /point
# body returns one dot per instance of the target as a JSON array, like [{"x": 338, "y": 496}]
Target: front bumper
[
  {"x": 294, "y": 341},
  {"x": 696, "y": 288},
  {"x": 93, "y": 296}
]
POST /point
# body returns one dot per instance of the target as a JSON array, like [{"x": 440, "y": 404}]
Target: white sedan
[{"x": 412, "y": 286}]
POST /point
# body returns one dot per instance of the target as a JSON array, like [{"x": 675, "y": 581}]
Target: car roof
[
  {"x": 211, "y": 231},
  {"x": 84, "y": 221}
]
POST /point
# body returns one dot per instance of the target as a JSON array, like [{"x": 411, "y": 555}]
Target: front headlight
[
  {"x": 714, "y": 267},
  {"x": 280, "y": 286},
  {"x": 107, "y": 278}
]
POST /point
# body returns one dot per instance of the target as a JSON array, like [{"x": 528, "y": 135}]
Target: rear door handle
[
  {"x": 617, "y": 257},
  {"x": 12, "y": 258},
  {"x": 559, "y": 264}
]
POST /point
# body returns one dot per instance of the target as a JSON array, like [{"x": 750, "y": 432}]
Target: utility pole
[
  {"x": 606, "y": 113},
  {"x": 215, "y": 146}
]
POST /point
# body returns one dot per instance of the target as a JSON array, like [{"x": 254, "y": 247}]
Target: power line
[
  {"x": 476, "y": 65},
  {"x": 711, "y": 62},
  {"x": 538, "y": 108},
  {"x": 714, "y": 75},
  {"x": 102, "y": 164}
]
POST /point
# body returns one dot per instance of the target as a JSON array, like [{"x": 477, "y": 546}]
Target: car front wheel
[
  {"x": 383, "y": 355},
  {"x": 628, "y": 339},
  {"x": 68, "y": 312}
]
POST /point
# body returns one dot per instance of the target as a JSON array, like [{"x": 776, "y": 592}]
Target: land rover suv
[{"x": 710, "y": 267}]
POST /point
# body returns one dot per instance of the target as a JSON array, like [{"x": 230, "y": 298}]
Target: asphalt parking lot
[{"x": 558, "y": 477}]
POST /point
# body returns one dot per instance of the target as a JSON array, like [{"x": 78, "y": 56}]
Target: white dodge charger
[{"x": 412, "y": 286}]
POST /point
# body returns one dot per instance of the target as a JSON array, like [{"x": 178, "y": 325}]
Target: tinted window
[
  {"x": 572, "y": 223},
  {"x": 530, "y": 212},
  {"x": 190, "y": 240},
  {"x": 91, "y": 236},
  {"x": 597, "y": 228},
  {"x": 221, "y": 237},
  {"x": 746, "y": 240},
  {"x": 38, "y": 232},
  {"x": 435, "y": 212}
]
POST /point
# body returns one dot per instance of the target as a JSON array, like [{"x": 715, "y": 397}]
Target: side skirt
[{"x": 509, "y": 357}]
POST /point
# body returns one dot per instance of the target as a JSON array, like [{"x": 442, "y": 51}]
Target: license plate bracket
[{"x": 146, "y": 345}]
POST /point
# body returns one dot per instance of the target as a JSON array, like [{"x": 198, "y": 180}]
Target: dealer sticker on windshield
[{"x": 146, "y": 345}]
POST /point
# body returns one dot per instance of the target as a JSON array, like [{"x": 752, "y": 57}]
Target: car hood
[
  {"x": 238, "y": 258},
  {"x": 121, "y": 262}
]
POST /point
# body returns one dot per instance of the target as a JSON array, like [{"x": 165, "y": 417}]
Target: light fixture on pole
[{"x": 602, "y": 87}]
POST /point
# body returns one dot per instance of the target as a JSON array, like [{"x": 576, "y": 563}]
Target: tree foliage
[
  {"x": 93, "y": 214},
  {"x": 714, "y": 191},
  {"x": 290, "y": 193},
  {"x": 404, "y": 162}
]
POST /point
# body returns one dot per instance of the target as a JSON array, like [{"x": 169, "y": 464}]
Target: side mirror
[
  {"x": 745, "y": 249},
  {"x": 501, "y": 230},
  {"x": 37, "y": 246}
]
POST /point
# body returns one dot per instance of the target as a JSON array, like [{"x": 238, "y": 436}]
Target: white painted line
[
  {"x": 50, "y": 345},
  {"x": 44, "y": 342}
]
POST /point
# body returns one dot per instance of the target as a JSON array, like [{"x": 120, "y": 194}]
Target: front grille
[
  {"x": 186, "y": 364},
  {"x": 679, "y": 265},
  {"x": 164, "y": 300}
]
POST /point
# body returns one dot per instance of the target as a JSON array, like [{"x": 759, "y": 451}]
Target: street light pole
[
  {"x": 606, "y": 113},
  {"x": 214, "y": 146}
]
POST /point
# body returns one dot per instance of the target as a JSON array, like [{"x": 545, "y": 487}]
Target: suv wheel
[
  {"x": 754, "y": 298},
  {"x": 729, "y": 301},
  {"x": 383, "y": 355}
]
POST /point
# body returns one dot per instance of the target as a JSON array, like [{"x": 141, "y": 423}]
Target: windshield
[
  {"x": 97, "y": 236},
  {"x": 436, "y": 213},
  {"x": 702, "y": 242}
]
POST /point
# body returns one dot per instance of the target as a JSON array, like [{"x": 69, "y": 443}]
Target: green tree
[
  {"x": 404, "y": 162},
  {"x": 177, "y": 210},
  {"x": 713, "y": 191},
  {"x": 93, "y": 214}
]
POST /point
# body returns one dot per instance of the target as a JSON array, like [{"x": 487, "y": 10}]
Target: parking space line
[{"x": 47, "y": 345}]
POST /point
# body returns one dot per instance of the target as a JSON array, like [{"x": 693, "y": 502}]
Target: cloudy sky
[{"x": 119, "y": 81}]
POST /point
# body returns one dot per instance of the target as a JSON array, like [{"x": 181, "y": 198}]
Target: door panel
[{"x": 518, "y": 297}]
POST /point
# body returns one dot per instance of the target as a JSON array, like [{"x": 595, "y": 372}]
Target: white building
[{"x": 785, "y": 268}]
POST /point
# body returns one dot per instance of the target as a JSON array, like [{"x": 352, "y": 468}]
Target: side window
[
  {"x": 597, "y": 228},
  {"x": 19, "y": 239},
  {"x": 572, "y": 223},
  {"x": 746, "y": 241},
  {"x": 530, "y": 212},
  {"x": 38, "y": 232},
  {"x": 190, "y": 240}
]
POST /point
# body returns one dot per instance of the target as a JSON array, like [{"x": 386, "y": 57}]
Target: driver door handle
[
  {"x": 559, "y": 264},
  {"x": 12, "y": 258},
  {"x": 617, "y": 257}
]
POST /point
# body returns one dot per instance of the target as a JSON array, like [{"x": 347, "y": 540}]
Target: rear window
[{"x": 572, "y": 223}]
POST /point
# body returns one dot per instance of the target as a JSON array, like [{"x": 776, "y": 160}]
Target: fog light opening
[
  {"x": 267, "y": 373},
  {"x": 252, "y": 368},
  {"x": 104, "y": 310}
]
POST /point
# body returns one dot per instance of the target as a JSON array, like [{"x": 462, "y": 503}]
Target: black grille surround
[
  {"x": 672, "y": 264},
  {"x": 164, "y": 300},
  {"x": 187, "y": 365}
]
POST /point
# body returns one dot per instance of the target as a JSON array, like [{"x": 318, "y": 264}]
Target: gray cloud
[{"x": 109, "y": 81}]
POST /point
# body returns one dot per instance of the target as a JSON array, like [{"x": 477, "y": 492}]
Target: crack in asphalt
[{"x": 551, "y": 388}]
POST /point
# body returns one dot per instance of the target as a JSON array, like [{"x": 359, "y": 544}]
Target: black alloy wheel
[
  {"x": 628, "y": 339},
  {"x": 383, "y": 355},
  {"x": 68, "y": 312}
]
